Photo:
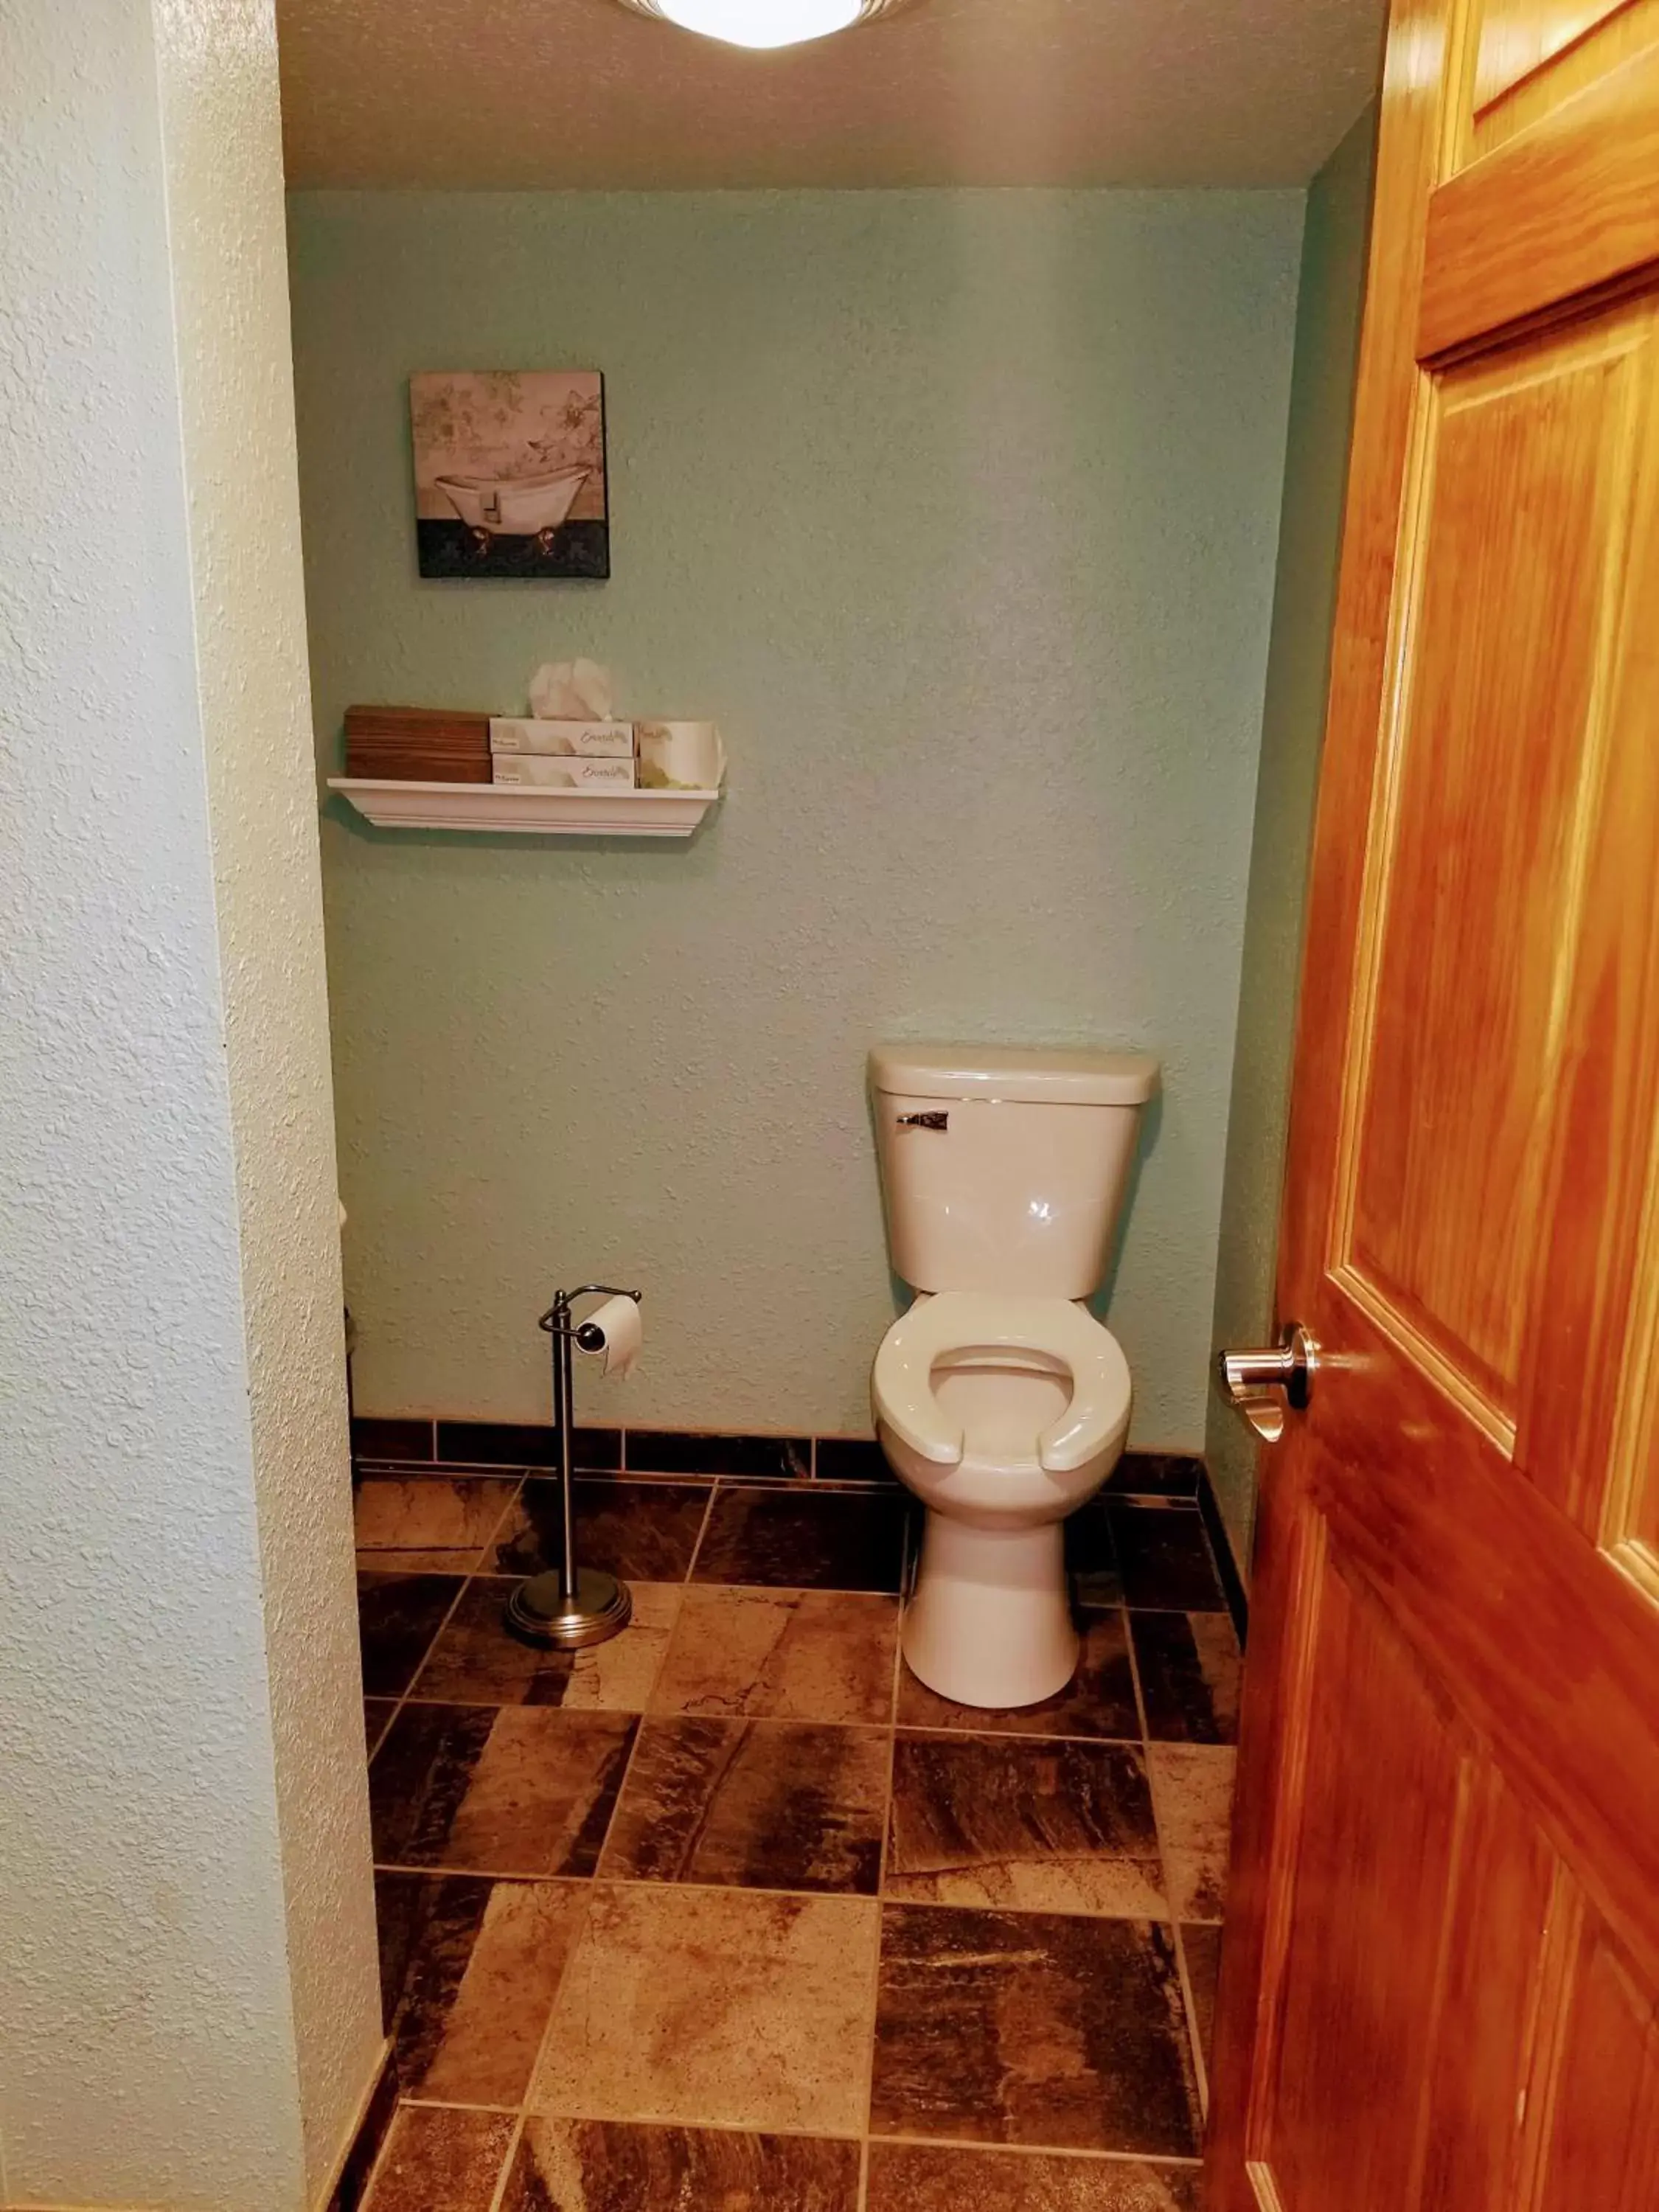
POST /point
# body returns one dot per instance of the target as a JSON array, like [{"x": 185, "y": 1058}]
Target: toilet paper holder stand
[{"x": 570, "y": 1606}]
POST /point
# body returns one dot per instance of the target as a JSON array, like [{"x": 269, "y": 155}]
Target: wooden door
[{"x": 1438, "y": 1990}]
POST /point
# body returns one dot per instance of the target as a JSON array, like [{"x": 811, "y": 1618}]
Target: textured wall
[
  {"x": 1315, "y": 473},
  {"x": 959, "y": 510},
  {"x": 158, "y": 1937},
  {"x": 222, "y": 132}
]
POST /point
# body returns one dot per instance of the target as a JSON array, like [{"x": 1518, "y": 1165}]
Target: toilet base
[{"x": 990, "y": 1624}]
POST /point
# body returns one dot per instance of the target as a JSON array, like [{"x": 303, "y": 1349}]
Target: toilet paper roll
[
  {"x": 679, "y": 755},
  {"x": 617, "y": 1322}
]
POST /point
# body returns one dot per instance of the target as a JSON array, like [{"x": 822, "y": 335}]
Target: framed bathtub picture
[{"x": 509, "y": 472}]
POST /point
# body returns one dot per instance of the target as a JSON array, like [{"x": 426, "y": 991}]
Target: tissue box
[
  {"x": 562, "y": 769},
  {"x": 577, "y": 740}
]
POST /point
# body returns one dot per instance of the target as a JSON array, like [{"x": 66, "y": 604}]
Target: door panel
[
  {"x": 1502, "y": 1026},
  {"x": 1587, "y": 1323},
  {"x": 1497, "y": 250},
  {"x": 1420, "y": 1958},
  {"x": 1488, "y": 787},
  {"x": 1600, "y": 2129},
  {"x": 1479, "y": 2063},
  {"x": 1517, "y": 36},
  {"x": 1631, "y": 1526},
  {"x": 1530, "y": 59},
  {"x": 1360, "y": 1968},
  {"x": 1461, "y": 1750},
  {"x": 1441, "y": 1975}
]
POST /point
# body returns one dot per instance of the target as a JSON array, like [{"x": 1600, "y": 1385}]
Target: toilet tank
[{"x": 1005, "y": 1169}]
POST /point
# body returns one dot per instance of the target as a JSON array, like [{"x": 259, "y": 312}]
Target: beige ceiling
[{"x": 482, "y": 93}]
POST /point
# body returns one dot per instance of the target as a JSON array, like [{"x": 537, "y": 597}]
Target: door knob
[{"x": 1262, "y": 1382}]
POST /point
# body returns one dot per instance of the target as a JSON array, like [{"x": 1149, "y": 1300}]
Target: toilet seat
[{"x": 963, "y": 1322}]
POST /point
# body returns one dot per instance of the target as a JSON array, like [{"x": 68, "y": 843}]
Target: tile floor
[{"x": 733, "y": 1913}]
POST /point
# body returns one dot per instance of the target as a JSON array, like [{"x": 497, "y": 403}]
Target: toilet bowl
[
  {"x": 1003, "y": 1415},
  {"x": 999, "y": 1399}
]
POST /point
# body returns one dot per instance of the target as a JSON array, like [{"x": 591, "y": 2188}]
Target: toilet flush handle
[{"x": 924, "y": 1120}]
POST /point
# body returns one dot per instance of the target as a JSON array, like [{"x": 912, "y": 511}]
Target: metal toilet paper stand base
[{"x": 570, "y": 1606}]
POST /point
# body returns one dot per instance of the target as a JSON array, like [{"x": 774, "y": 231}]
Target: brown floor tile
[
  {"x": 377, "y": 1711},
  {"x": 1031, "y": 2027},
  {"x": 713, "y": 2009},
  {"x": 475, "y": 1661},
  {"x": 398, "y": 1617},
  {"x": 805, "y": 1539},
  {"x": 1202, "y": 1946},
  {"x": 1163, "y": 1558},
  {"x": 1013, "y": 1820},
  {"x": 761, "y": 1804},
  {"x": 520, "y": 1789},
  {"x": 427, "y": 1524},
  {"x": 644, "y": 1531},
  {"x": 918, "y": 2178},
  {"x": 684, "y": 1452},
  {"x": 605, "y": 2165},
  {"x": 780, "y": 1654},
  {"x": 1189, "y": 1666},
  {"x": 1192, "y": 1791},
  {"x": 441, "y": 2162},
  {"x": 468, "y": 1972},
  {"x": 1099, "y": 1700}
]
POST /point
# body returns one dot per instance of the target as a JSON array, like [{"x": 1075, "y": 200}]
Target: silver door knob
[{"x": 1263, "y": 1383}]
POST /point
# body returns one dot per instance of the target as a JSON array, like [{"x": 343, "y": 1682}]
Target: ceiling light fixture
[{"x": 765, "y": 22}]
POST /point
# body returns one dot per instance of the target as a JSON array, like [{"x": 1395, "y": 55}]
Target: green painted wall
[
  {"x": 959, "y": 510},
  {"x": 1293, "y": 723}
]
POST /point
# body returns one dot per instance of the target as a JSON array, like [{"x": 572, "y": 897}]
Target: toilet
[{"x": 999, "y": 1399}]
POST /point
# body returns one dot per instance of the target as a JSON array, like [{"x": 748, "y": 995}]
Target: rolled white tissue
[
  {"x": 571, "y": 691},
  {"x": 618, "y": 1320}
]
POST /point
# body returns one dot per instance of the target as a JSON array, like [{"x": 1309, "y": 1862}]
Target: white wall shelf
[{"x": 525, "y": 810}]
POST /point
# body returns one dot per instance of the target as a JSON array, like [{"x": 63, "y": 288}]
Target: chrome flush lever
[
  {"x": 924, "y": 1120},
  {"x": 1263, "y": 1383}
]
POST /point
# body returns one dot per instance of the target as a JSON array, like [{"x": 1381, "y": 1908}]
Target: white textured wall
[
  {"x": 959, "y": 510},
  {"x": 223, "y": 133},
  {"x": 185, "y": 1940}
]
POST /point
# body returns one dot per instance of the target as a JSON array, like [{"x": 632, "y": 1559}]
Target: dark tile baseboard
[
  {"x": 850, "y": 1459},
  {"x": 736, "y": 1458},
  {"x": 352, "y": 2183},
  {"x": 374, "y": 1438},
  {"x": 1221, "y": 1545},
  {"x": 525, "y": 1443},
  {"x": 1156, "y": 1474}
]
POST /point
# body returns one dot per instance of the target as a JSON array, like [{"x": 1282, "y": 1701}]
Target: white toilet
[{"x": 999, "y": 1399}]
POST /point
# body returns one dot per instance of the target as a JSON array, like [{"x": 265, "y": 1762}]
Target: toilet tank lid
[{"x": 1062, "y": 1075}]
